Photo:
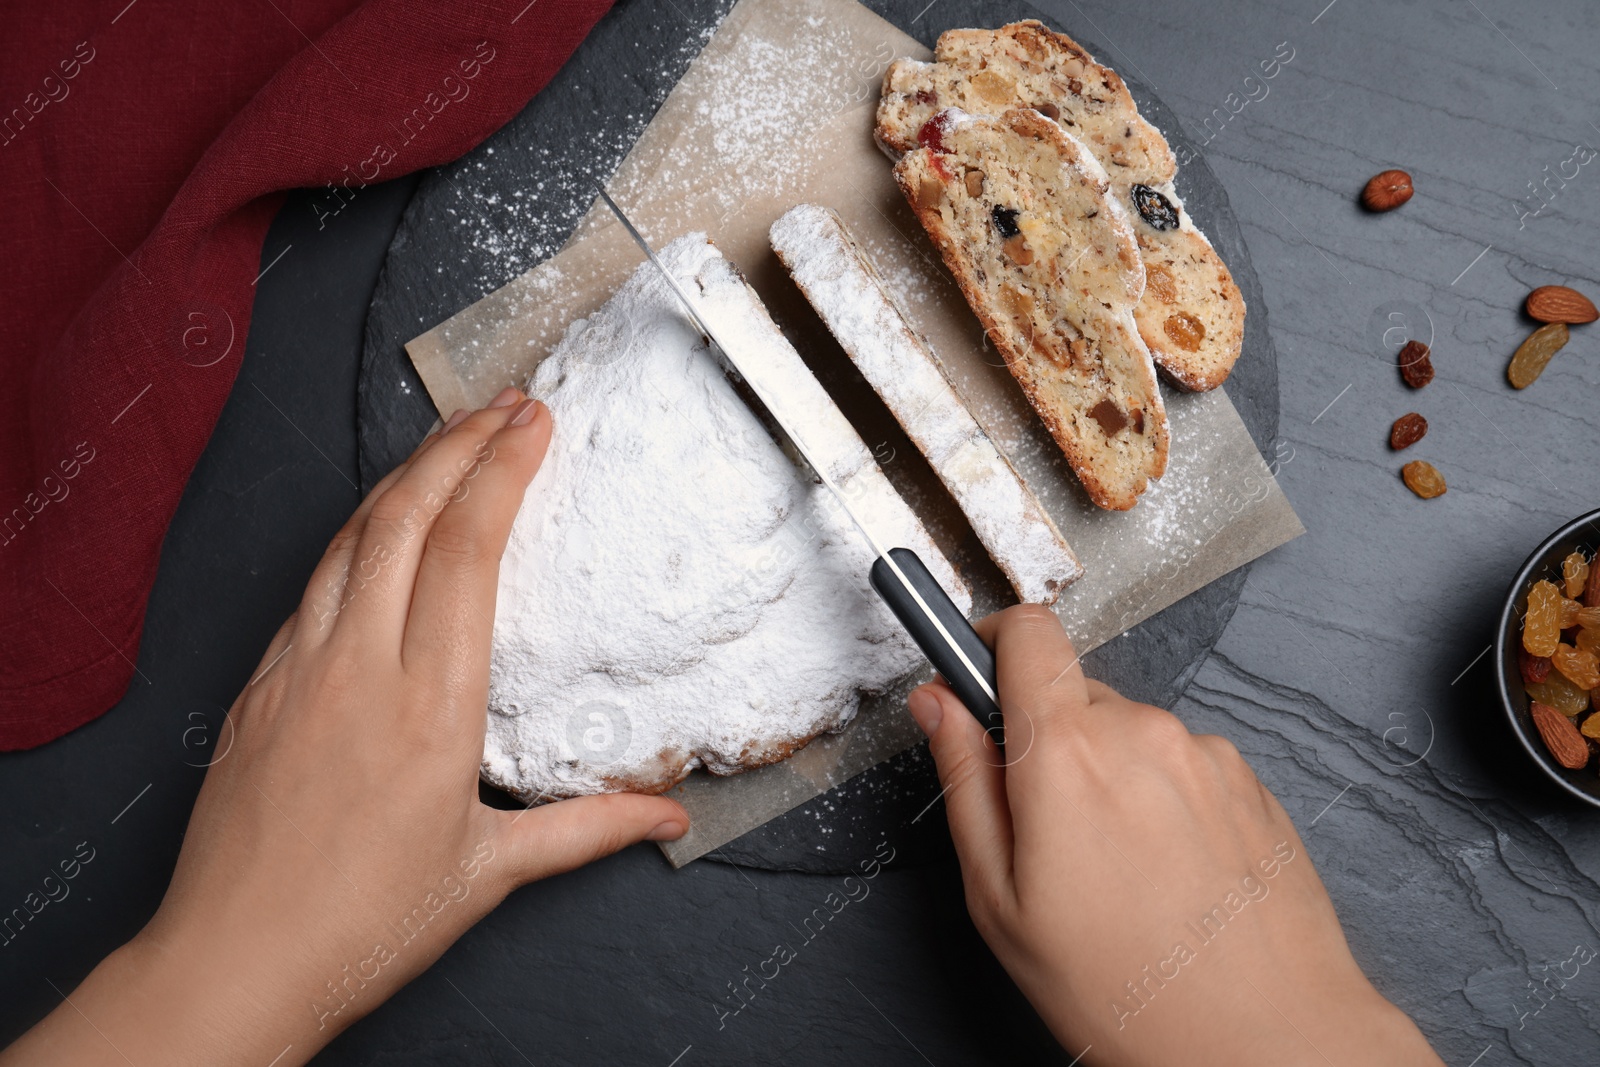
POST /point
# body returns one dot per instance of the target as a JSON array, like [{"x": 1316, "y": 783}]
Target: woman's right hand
[{"x": 1141, "y": 886}]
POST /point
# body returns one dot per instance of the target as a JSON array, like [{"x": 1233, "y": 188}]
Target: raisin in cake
[
  {"x": 848, "y": 293},
  {"x": 675, "y": 592},
  {"x": 1024, "y": 218},
  {"x": 1192, "y": 313}
]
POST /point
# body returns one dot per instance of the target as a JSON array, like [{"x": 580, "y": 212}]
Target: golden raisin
[
  {"x": 1423, "y": 479},
  {"x": 1541, "y": 626},
  {"x": 992, "y": 87},
  {"x": 1559, "y": 693},
  {"x": 1571, "y": 610},
  {"x": 929, "y": 193},
  {"x": 1534, "y": 354},
  {"x": 1017, "y": 250},
  {"x": 1185, "y": 330},
  {"x": 1589, "y": 618},
  {"x": 1575, "y": 572},
  {"x": 1017, "y": 301},
  {"x": 1588, "y": 639},
  {"x": 1591, "y": 727},
  {"x": 1159, "y": 280},
  {"x": 974, "y": 180},
  {"x": 1581, "y": 668}
]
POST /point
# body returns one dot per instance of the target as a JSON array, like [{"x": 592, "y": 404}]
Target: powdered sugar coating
[
  {"x": 675, "y": 593},
  {"x": 840, "y": 282}
]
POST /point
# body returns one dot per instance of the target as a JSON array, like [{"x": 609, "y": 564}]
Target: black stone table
[{"x": 1350, "y": 675}]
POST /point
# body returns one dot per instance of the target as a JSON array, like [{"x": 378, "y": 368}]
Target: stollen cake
[
  {"x": 676, "y": 592},
  {"x": 1192, "y": 314},
  {"x": 1024, "y": 217},
  {"x": 848, "y": 293}
]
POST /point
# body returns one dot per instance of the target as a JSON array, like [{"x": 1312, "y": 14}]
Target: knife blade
[{"x": 898, "y": 575}]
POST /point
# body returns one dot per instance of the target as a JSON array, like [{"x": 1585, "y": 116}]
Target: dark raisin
[
  {"x": 1049, "y": 111},
  {"x": 1005, "y": 221},
  {"x": 1416, "y": 364},
  {"x": 1407, "y": 431},
  {"x": 1154, "y": 208}
]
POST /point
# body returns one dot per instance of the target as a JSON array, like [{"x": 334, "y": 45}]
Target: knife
[{"x": 898, "y": 575}]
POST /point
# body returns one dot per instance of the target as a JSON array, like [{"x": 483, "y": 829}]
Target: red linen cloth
[{"x": 144, "y": 147}]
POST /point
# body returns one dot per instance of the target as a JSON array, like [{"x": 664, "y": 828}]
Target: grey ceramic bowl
[{"x": 1581, "y": 533}]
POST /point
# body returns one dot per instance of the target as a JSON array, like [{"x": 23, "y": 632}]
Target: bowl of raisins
[{"x": 1549, "y": 663}]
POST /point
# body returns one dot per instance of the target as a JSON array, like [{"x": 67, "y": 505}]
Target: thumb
[
  {"x": 972, "y": 772},
  {"x": 566, "y": 834}
]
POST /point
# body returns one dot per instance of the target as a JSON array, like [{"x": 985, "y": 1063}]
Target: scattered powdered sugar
[
  {"x": 846, "y": 292},
  {"x": 674, "y": 593}
]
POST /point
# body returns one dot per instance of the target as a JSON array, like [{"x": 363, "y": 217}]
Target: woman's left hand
[{"x": 339, "y": 846}]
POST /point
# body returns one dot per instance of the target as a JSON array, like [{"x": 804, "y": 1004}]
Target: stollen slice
[
  {"x": 1024, "y": 217},
  {"x": 1192, "y": 313},
  {"x": 841, "y": 283}
]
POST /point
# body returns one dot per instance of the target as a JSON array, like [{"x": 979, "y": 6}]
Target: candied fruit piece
[
  {"x": 1559, "y": 694},
  {"x": 1575, "y": 573},
  {"x": 1580, "y": 667},
  {"x": 1541, "y": 626},
  {"x": 1109, "y": 416}
]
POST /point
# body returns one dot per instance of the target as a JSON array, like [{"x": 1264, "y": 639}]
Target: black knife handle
[{"x": 945, "y": 661}]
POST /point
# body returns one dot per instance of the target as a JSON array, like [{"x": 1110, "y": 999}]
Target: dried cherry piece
[
  {"x": 931, "y": 136},
  {"x": 1416, "y": 364},
  {"x": 1156, "y": 210}
]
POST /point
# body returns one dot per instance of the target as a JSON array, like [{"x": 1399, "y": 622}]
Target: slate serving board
[{"x": 512, "y": 202}]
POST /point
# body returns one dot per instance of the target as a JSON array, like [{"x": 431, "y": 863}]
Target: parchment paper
[{"x": 777, "y": 110}]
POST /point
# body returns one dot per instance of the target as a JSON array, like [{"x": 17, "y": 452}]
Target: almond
[
  {"x": 1560, "y": 736},
  {"x": 1557, "y": 303},
  {"x": 1387, "y": 191}
]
